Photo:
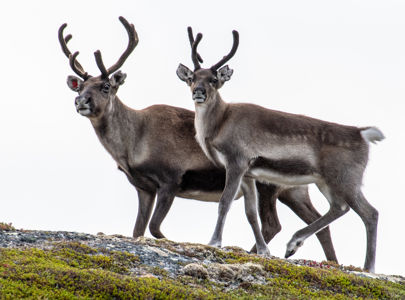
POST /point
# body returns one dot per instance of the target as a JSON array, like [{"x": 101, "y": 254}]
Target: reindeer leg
[
  {"x": 267, "y": 197},
  {"x": 146, "y": 200},
  {"x": 297, "y": 199},
  {"x": 369, "y": 215},
  {"x": 234, "y": 174},
  {"x": 249, "y": 194},
  {"x": 338, "y": 207},
  {"x": 165, "y": 197}
]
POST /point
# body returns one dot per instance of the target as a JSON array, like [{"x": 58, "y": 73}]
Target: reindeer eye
[
  {"x": 106, "y": 88},
  {"x": 214, "y": 80}
]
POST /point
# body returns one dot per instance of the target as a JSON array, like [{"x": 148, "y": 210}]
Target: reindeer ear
[
  {"x": 74, "y": 83},
  {"x": 224, "y": 74},
  {"x": 184, "y": 74},
  {"x": 117, "y": 79}
]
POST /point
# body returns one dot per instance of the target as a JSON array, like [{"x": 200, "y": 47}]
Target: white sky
[{"x": 341, "y": 61}]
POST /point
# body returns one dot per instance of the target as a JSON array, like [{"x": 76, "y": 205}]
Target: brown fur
[{"x": 156, "y": 149}]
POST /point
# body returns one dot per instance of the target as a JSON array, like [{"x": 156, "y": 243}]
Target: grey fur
[
  {"x": 156, "y": 149},
  {"x": 136, "y": 140},
  {"x": 330, "y": 155}
]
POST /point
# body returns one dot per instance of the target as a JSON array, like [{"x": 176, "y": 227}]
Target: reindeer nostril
[
  {"x": 82, "y": 100},
  {"x": 199, "y": 90}
]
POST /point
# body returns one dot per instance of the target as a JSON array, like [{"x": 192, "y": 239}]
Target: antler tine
[
  {"x": 68, "y": 38},
  {"x": 77, "y": 67},
  {"x": 191, "y": 39},
  {"x": 63, "y": 41},
  {"x": 230, "y": 54},
  {"x": 194, "y": 52},
  {"x": 74, "y": 65},
  {"x": 132, "y": 43},
  {"x": 100, "y": 64}
]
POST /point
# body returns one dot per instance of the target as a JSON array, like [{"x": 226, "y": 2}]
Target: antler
[
  {"x": 74, "y": 64},
  {"x": 132, "y": 42},
  {"x": 194, "y": 53},
  {"x": 230, "y": 54},
  {"x": 191, "y": 39}
]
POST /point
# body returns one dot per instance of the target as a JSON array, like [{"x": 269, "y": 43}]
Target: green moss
[
  {"x": 308, "y": 282},
  {"x": 72, "y": 271},
  {"x": 76, "y": 271},
  {"x": 81, "y": 256},
  {"x": 159, "y": 271}
]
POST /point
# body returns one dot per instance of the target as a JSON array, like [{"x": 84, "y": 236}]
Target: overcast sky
[{"x": 341, "y": 61}]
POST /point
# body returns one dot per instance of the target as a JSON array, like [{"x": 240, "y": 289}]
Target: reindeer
[
  {"x": 255, "y": 143},
  {"x": 156, "y": 149}
]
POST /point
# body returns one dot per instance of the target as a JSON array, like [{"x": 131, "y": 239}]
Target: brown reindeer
[
  {"x": 255, "y": 143},
  {"x": 156, "y": 149}
]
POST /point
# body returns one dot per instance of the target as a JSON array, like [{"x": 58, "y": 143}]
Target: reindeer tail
[{"x": 372, "y": 134}]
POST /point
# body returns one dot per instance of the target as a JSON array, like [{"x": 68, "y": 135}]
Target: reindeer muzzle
[
  {"x": 83, "y": 105},
  {"x": 199, "y": 95}
]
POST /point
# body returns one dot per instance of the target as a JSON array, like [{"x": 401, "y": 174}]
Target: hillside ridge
[{"x": 71, "y": 265}]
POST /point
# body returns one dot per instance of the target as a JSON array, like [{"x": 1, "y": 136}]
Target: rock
[
  {"x": 195, "y": 270},
  {"x": 221, "y": 272},
  {"x": 164, "y": 258}
]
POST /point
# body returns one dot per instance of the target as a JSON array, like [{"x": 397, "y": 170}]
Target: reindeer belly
[
  {"x": 205, "y": 196},
  {"x": 200, "y": 195},
  {"x": 284, "y": 172},
  {"x": 204, "y": 185}
]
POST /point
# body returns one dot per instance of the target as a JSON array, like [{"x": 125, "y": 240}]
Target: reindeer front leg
[
  {"x": 146, "y": 200},
  {"x": 234, "y": 174},
  {"x": 250, "y": 196},
  {"x": 267, "y": 197}
]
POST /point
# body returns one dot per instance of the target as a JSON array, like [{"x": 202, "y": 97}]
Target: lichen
[{"x": 74, "y": 270}]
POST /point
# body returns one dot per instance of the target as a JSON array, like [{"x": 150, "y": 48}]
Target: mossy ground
[{"x": 71, "y": 270}]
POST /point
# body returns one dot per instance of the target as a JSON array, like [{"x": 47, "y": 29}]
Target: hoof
[
  {"x": 215, "y": 244},
  {"x": 289, "y": 253},
  {"x": 369, "y": 269},
  {"x": 265, "y": 252},
  {"x": 253, "y": 250}
]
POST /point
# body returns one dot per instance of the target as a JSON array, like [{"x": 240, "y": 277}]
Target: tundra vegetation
[{"x": 67, "y": 265}]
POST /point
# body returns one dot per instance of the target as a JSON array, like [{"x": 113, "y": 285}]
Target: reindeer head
[
  {"x": 204, "y": 83},
  {"x": 96, "y": 94}
]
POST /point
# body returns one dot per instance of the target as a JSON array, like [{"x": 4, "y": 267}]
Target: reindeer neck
[
  {"x": 117, "y": 131},
  {"x": 209, "y": 117}
]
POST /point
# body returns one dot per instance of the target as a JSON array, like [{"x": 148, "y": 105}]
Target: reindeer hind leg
[
  {"x": 338, "y": 207},
  {"x": 165, "y": 197},
  {"x": 298, "y": 200},
  {"x": 369, "y": 216}
]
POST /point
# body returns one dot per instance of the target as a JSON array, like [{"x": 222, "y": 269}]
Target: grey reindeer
[
  {"x": 255, "y": 143},
  {"x": 156, "y": 149}
]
